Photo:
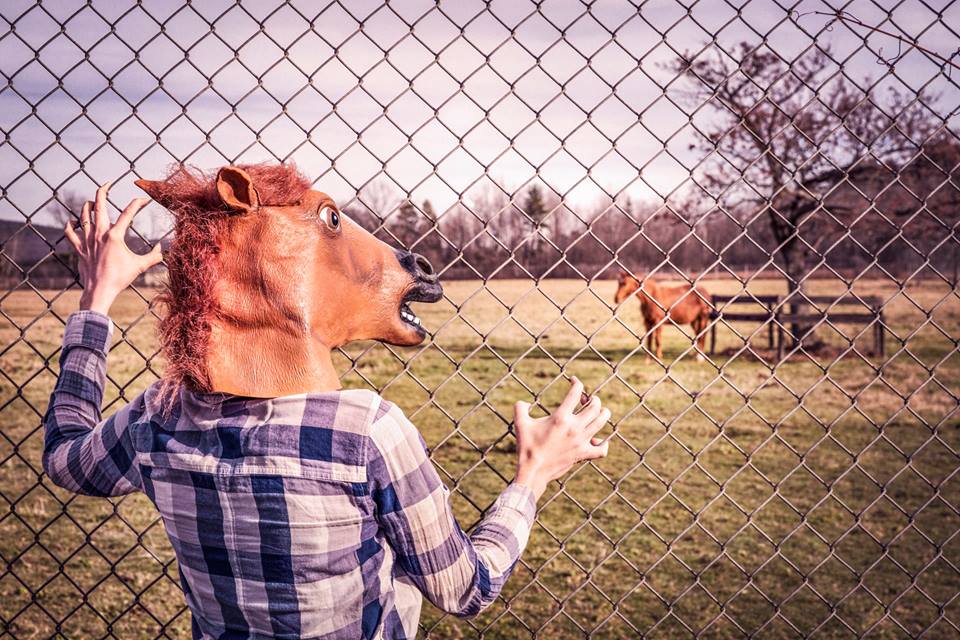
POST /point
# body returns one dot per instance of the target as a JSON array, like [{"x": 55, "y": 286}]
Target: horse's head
[
  {"x": 275, "y": 276},
  {"x": 627, "y": 284}
]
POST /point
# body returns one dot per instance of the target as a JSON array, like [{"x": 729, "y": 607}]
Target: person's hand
[
  {"x": 107, "y": 265},
  {"x": 549, "y": 447}
]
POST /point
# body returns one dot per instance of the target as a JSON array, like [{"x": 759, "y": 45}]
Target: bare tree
[
  {"x": 64, "y": 207},
  {"x": 463, "y": 230},
  {"x": 380, "y": 197},
  {"x": 787, "y": 134}
]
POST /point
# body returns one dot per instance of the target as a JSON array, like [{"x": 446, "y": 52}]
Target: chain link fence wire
[{"x": 796, "y": 163}]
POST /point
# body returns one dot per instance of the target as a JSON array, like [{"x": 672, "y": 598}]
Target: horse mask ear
[
  {"x": 153, "y": 188},
  {"x": 236, "y": 190}
]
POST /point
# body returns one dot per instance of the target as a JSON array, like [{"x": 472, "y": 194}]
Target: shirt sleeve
[
  {"x": 459, "y": 574},
  {"x": 82, "y": 452}
]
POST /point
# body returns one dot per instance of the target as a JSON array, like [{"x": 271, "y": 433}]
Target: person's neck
[{"x": 268, "y": 362}]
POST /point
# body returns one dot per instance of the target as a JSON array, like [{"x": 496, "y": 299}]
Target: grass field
[{"x": 818, "y": 495}]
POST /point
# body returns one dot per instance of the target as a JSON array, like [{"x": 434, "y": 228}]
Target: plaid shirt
[{"x": 306, "y": 516}]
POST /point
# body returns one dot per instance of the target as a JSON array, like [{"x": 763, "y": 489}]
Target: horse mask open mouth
[
  {"x": 266, "y": 276},
  {"x": 425, "y": 288}
]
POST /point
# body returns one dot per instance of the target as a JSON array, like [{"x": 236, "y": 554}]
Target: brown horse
[
  {"x": 684, "y": 304},
  {"x": 268, "y": 276}
]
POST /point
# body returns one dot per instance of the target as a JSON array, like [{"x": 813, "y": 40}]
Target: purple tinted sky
[{"x": 361, "y": 96}]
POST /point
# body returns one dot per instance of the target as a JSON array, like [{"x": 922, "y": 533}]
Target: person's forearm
[
  {"x": 465, "y": 574},
  {"x": 74, "y": 407},
  {"x": 460, "y": 574},
  {"x": 78, "y": 454},
  {"x": 498, "y": 542},
  {"x": 78, "y": 392}
]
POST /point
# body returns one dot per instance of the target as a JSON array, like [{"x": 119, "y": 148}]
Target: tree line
[{"x": 802, "y": 169}]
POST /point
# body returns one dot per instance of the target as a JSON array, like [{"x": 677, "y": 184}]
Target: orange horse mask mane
[{"x": 267, "y": 277}]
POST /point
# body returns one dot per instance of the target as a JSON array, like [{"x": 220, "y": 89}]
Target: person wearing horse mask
[{"x": 296, "y": 509}]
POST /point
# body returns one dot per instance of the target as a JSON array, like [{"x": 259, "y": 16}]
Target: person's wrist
[
  {"x": 532, "y": 480},
  {"x": 97, "y": 300}
]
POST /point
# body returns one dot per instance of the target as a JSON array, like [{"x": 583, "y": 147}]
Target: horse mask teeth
[{"x": 408, "y": 315}]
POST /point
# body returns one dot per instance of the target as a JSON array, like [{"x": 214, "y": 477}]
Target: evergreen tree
[
  {"x": 428, "y": 211},
  {"x": 408, "y": 224},
  {"x": 534, "y": 249},
  {"x": 534, "y": 206}
]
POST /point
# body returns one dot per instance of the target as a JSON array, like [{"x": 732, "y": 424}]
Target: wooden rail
[{"x": 776, "y": 317}]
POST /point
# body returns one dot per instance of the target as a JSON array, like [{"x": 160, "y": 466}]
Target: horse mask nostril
[
  {"x": 423, "y": 265},
  {"x": 417, "y": 266}
]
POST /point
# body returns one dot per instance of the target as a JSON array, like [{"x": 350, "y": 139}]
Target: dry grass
[{"x": 737, "y": 497}]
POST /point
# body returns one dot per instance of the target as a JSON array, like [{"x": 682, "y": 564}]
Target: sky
[{"x": 435, "y": 101}]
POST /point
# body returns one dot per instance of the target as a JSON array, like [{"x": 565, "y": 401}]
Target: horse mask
[{"x": 267, "y": 276}]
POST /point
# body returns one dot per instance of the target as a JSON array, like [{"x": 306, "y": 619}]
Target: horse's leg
[
  {"x": 659, "y": 340},
  {"x": 705, "y": 327},
  {"x": 699, "y": 329},
  {"x": 648, "y": 325}
]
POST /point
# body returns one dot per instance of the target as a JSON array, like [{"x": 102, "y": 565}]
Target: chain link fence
[{"x": 796, "y": 164}]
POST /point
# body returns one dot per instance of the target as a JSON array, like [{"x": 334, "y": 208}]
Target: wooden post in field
[
  {"x": 776, "y": 318},
  {"x": 880, "y": 334},
  {"x": 770, "y": 327}
]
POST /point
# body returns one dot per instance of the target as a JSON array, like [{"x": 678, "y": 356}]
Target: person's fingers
[
  {"x": 521, "y": 410},
  {"x": 101, "y": 217},
  {"x": 597, "y": 450},
  {"x": 153, "y": 257},
  {"x": 598, "y": 423},
  {"x": 589, "y": 413},
  {"x": 86, "y": 226},
  {"x": 126, "y": 216},
  {"x": 573, "y": 397},
  {"x": 73, "y": 238}
]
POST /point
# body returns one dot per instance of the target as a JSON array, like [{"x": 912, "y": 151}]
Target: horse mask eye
[{"x": 330, "y": 217}]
